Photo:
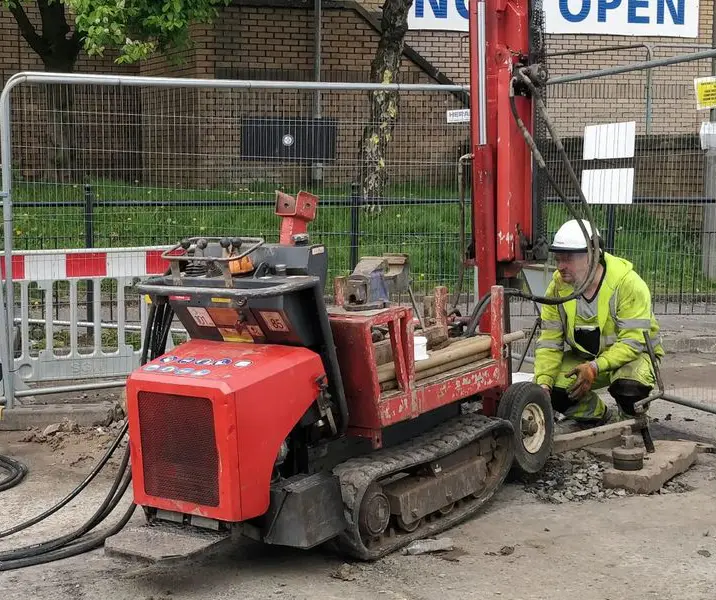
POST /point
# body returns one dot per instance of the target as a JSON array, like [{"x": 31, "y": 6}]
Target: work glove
[{"x": 586, "y": 373}]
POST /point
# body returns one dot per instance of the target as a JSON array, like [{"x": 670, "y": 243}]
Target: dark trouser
[{"x": 627, "y": 385}]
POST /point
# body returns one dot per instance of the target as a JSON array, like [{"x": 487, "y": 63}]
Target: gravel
[{"x": 577, "y": 476}]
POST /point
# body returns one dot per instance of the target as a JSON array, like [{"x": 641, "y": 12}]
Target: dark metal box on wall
[{"x": 288, "y": 138}]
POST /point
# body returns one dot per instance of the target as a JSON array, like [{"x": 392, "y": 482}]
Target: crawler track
[{"x": 493, "y": 442}]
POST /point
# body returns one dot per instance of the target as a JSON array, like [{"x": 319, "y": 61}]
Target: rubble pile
[
  {"x": 571, "y": 477},
  {"x": 577, "y": 476},
  {"x": 57, "y": 435}
]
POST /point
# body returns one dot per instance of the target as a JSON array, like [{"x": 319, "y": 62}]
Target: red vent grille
[{"x": 179, "y": 448}]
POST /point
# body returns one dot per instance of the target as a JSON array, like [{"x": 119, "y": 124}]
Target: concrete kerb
[
  {"x": 681, "y": 344},
  {"x": 21, "y": 418}
]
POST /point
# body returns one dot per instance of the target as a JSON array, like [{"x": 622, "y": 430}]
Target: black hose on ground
[
  {"x": 74, "y": 493},
  {"x": 108, "y": 504},
  {"x": 78, "y": 546},
  {"x": 77, "y": 542},
  {"x": 16, "y": 472}
]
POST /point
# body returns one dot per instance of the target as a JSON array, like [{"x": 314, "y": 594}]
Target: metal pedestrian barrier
[{"x": 78, "y": 316}]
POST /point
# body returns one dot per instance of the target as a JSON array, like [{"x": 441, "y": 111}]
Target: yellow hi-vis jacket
[{"x": 623, "y": 312}]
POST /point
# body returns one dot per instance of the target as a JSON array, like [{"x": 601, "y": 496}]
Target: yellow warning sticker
[
  {"x": 221, "y": 300},
  {"x": 231, "y": 335},
  {"x": 705, "y": 92}
]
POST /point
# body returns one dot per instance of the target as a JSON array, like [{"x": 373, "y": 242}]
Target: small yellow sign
[{"x": 705, "y": 92}]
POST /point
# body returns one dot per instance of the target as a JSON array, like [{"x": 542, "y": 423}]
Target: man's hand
[{"x": 586, "y": 374}]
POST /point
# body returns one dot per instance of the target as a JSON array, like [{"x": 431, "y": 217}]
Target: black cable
[
  {"x": 74, "y": 493},
  {"x": 77, "y": 541},
  {"x": 148, "y": 334},
  {"x": 166, "y": 331},
  {"x": 16, "y": 470},
  {"x": 99, "y": 515},
  {"x": 592, "y": 242},
  {"x": 537, "y": 323},
  {"x": 461, "y": 262},
  {"x": 73, "y": 549}
]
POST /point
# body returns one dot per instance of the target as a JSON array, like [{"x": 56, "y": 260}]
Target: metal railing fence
[
  {"x": 105, "y": 161},
  {"x": 667, "y": 227},
  {"x": 95, "y": 161}
]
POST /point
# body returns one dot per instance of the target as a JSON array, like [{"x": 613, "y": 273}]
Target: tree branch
[
  {"x": 54, "y": 23},
  {"x": 27, "y": 29}
]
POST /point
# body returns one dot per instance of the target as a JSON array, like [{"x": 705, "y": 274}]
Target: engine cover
[{"x": 207, "y": 420}]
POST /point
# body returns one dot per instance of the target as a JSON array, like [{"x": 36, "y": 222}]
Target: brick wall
[
  {"x": 96, "y": 126},
  {"x": 623, "y": 97},
  {"x": 192, "y": 137},
  {"x": 277, "y": 43}
]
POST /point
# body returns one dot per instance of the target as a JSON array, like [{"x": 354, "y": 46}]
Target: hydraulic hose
[
  {"x": 592, "y": 242},
  {"x": 100, "y": 514},
  {"x": 16, "y": 472},
  {"x": 74, "y": 548},
  {"x": 74, "y": 493},
  {"x": 461, "y": 262},
  {"x": 77, "y": 542}
]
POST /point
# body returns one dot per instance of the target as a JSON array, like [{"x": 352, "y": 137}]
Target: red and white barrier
[{"x": 44, "y": 265}]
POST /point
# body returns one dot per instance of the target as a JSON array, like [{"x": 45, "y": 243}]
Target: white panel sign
[
  {"x": 668, "y": 18},
  {"x": 461, "y": 115},
  {"x": 445, "y": 15},
  {"x": 708, "y": 135},
  {"x": 608, "y": 186},
  {"x": 611, "y": 140}
]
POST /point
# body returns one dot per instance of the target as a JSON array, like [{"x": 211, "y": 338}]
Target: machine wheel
[
  {"x": 408, "y": 527},
  {"x": 528, "y": 408},
  {"x": 374, "y": 513}
]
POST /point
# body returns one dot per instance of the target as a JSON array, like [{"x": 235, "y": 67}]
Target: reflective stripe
[
  {"x": 609, "y": 340},
  {"x": 635, "y": 344},
  {"x": 546, "y": 344},
  {"x": 563, "y": 316},
  {"x": 613, "y": 306},
  {"x": 633, "y": 323},
  {"x": 552, "y": 325}
]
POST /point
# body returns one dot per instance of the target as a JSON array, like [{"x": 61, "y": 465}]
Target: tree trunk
[
  {"x": 385, "y": 68},
  {"x": 60, "y": 129},
  {"x": 59, "y": 49},
  {"x": 63, "y": 49}
]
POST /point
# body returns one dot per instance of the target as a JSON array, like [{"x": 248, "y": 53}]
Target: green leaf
[{"x": 139, "y": 28}]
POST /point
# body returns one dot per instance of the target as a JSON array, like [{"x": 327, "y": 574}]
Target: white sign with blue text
[
  {"x": 667, "y": 18},
  {"x": 446, "y": 15}
]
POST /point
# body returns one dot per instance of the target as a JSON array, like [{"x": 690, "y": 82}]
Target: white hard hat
[{"x": 569, "y": 237}]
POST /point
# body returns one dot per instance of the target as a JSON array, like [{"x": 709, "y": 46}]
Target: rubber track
[{"x": 358, "y": 473}]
